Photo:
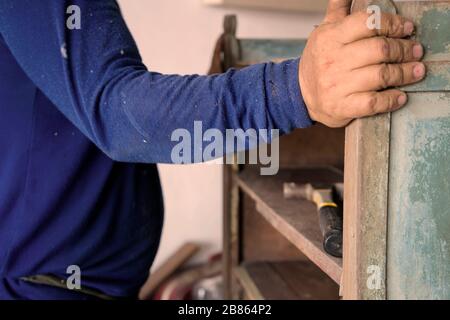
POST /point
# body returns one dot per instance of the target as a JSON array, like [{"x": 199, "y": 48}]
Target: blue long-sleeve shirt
[{"x": 82, "y": 124}]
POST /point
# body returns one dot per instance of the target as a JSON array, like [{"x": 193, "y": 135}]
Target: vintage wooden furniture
[{"x": 397, "y": 190}]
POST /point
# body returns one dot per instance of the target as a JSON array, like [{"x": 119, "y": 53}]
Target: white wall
[{"x": 177, "y": 36}]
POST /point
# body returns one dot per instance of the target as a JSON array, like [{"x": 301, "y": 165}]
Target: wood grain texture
[
  {"x": 419, "y": 203},
  {"x": 260, "y": 241},
  {"x": 167, "y": 269},
  {"x": 286, "y": 281},
  {"x": 370, "y": 182},
  {"x": 366, "y": 199},
  {"x": 295, "y": 219},
  {"x": 365, "y": 205},
  {"x": 419, "y": 217}
]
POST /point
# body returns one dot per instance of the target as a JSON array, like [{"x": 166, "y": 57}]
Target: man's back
[{"x": 64, "y": 202}]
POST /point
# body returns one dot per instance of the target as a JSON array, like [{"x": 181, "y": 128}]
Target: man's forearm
[{"x": 95, "y": 76}]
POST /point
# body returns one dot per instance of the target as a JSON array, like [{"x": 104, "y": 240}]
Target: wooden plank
[
  {"x": 286, "y": 281},
  {"x": 290, "y": 5},
  {"x": 365, "y": 206},
  {"x": 317, "y": 145},
  {"x": 170, "y": 266},
  {"x": 419, "y": 202},
  {"x": 432, "y": 20},
  {"x": 367, "y": 164},
  {"x": 419, "y": 215},
  {"x": 294, "y": 218},
  {"x": 226, "y": 234},
  {"x": 260, "y": 241}
]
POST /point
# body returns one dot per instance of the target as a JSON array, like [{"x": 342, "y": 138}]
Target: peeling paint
[
  {"x": 435, "y": 30},
  {"x": 419, "y": 199}
]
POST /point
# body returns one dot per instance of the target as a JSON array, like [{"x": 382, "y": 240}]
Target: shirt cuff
[{"x": 284, "y": 93}]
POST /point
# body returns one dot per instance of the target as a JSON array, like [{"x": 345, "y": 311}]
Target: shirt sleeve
[{"x": 95, "y": 76}]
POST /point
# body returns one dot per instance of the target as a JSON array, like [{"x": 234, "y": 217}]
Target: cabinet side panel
[{"x": 418, "y": 262}]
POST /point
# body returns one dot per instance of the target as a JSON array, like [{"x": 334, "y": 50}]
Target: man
[{"x": 83, "y": 122}]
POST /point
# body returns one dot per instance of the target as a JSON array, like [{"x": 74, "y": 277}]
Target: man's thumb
[{"x": 337, "y": 10}]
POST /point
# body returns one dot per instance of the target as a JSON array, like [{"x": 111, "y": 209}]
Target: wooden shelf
[
  {"x": 295, "y": 219},
  {"x": 289, "y": 5},
  {"x": 285, "y": 281}
]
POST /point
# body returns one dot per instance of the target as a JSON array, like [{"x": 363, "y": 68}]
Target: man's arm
[{"x": 96, "y": 78}]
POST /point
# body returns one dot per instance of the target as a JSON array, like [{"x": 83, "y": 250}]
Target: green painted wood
[
  {"x": 418, "y": 260},
  {"x": 432, "y": 19},
  {"x": 261, "y": 50},
  {"x": 418, "y": 246}
]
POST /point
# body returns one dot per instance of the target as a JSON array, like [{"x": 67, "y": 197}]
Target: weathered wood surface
[
  {"x": 295, "y": 219},
  {"x": 365, "y": 206},
  {"x": 260, "y": 241},
  {"x": 365, "y": 200},
  {"x": 432, "y": 20},
  {"x": 317, "y": 145},
  {"x": 416, "y": 148},
  {"x": 286, "y": 281},
  {"x": 419, "y": 206}
]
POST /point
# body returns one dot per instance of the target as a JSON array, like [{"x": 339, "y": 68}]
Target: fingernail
[
  {"x": 418, "y": 51},
  {"x": 419, "y": 71},
  {"x": 402, "y": 100},
  {"x": 408, "y": 28}
]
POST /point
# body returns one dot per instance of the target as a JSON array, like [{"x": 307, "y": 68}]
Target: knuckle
[
  {"x": 384, "y": 75},
  {"x": 393, "y": 25},
  {"x": 383, "y": 48},
  {"x": 391, "y": 102},
  {"x": 397, "y": 51},
  {"x": 402, "y": 50},
  {"x": 371, "y": 104},
  {"x": 397, "y": 74}
]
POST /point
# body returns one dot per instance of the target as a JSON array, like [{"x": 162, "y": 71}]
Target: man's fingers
[
  {"x": 382, "y": 76},
  {"x": 337, "y": 10},
  {"x": 359, "y": 26},
  {"x": 383, "y": 50},
  {"x": 371, "y": 103}
]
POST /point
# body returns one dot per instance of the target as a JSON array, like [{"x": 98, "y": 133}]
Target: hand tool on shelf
[{"x": 330, "y": 216}]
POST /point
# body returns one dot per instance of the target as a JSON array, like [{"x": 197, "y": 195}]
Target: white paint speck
[
  {"x": 144, "y": 141},
  {"x": 122, "y": 52},
  {"x": 64, "y": 51},
  {"x": 56, "y": 134}
]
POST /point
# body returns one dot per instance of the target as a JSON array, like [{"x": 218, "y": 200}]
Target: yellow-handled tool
[{"x": 330, "y": 217}]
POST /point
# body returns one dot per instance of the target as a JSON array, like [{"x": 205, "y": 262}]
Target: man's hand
[{"x": 346, "y": 67}]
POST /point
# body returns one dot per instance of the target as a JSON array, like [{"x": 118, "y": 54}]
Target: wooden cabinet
[
  {"x": 396, "y": 199},
  {"x": 397, "y": 181}
]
